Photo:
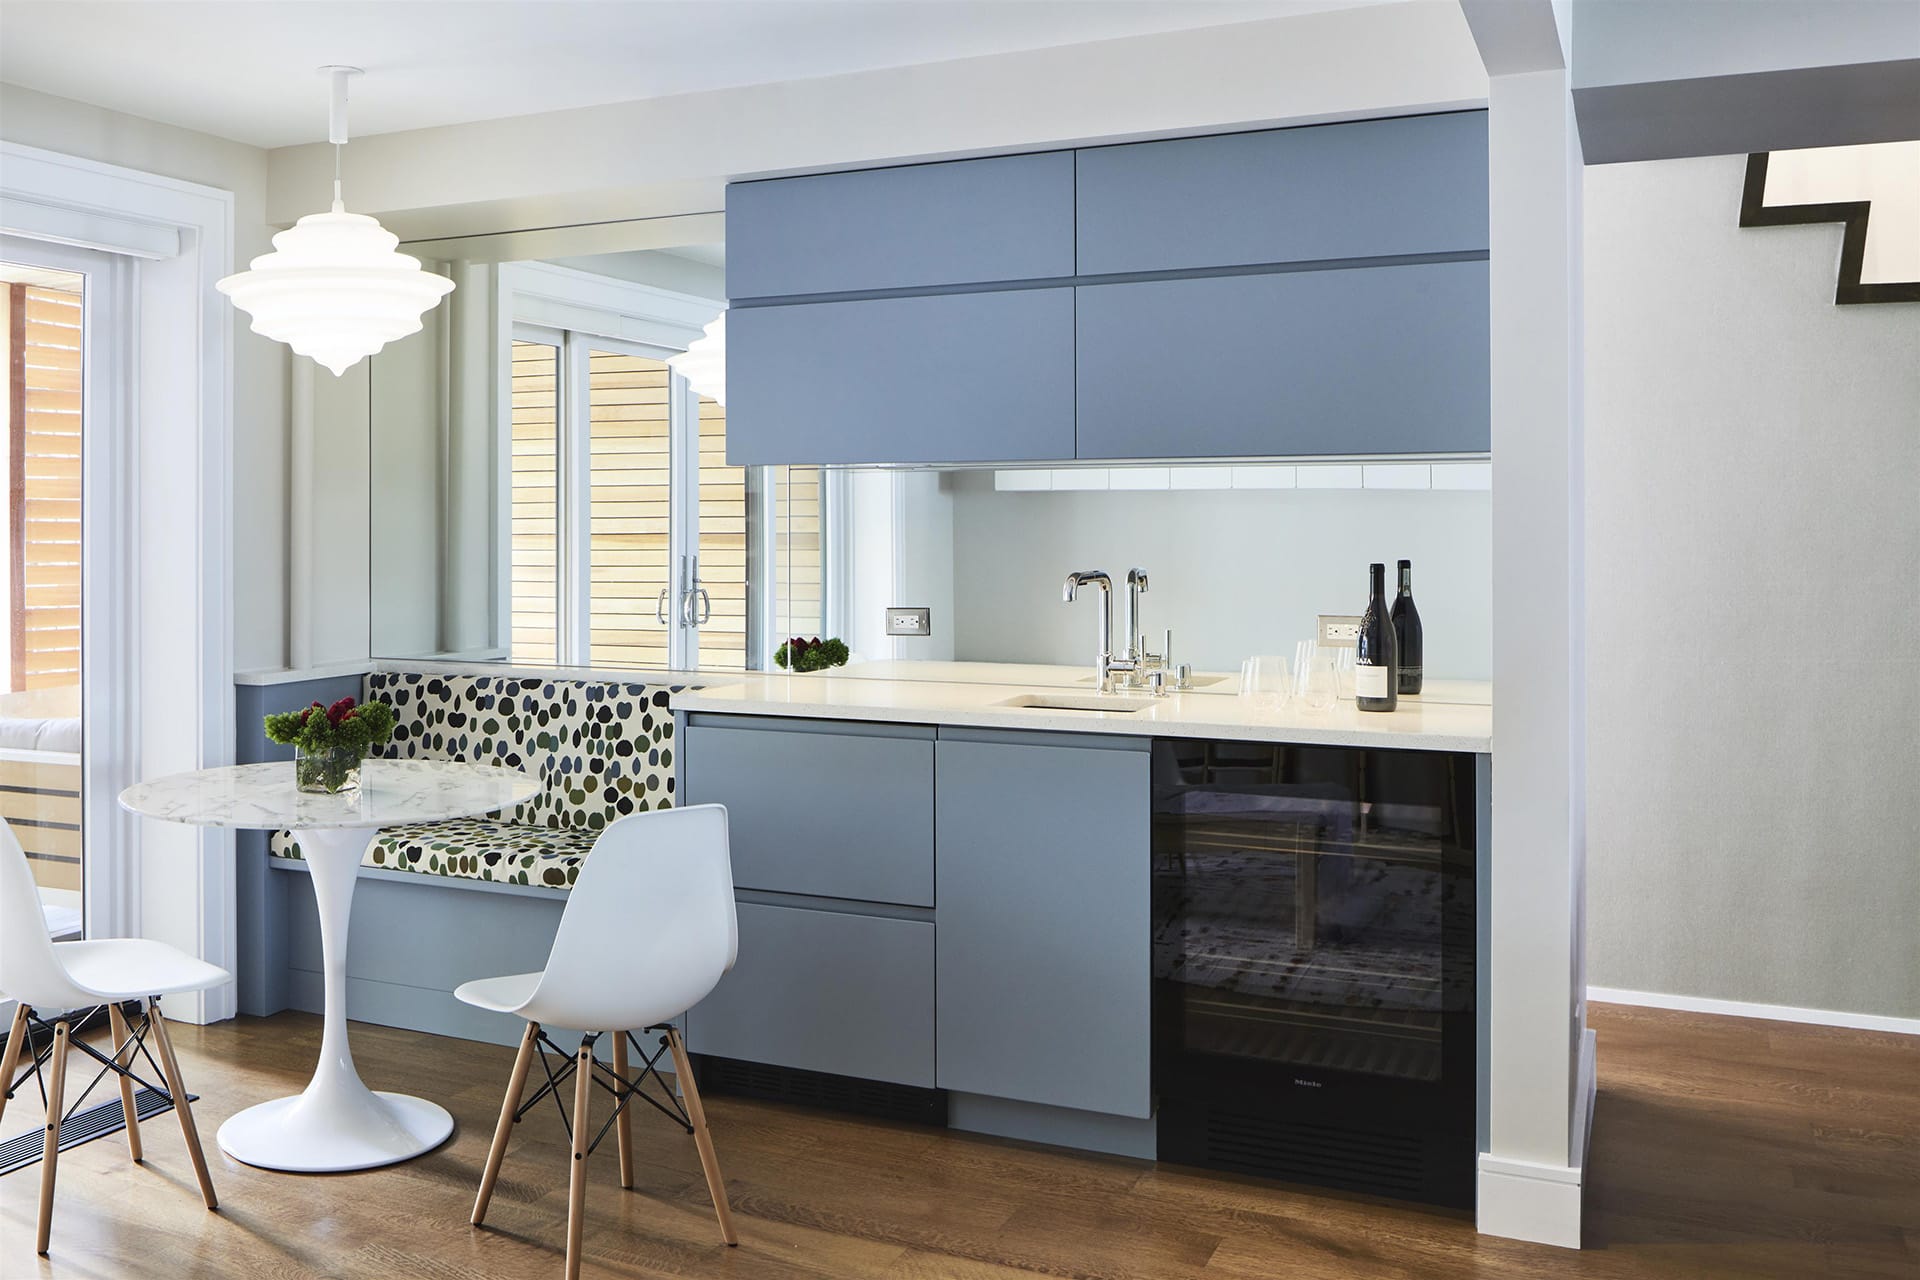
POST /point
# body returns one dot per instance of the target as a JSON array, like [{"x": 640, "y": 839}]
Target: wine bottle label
[{"x": 1371, "y": 682}]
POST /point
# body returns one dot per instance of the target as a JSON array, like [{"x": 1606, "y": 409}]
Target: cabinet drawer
[
  {"x": 830, "y": 814},
  {"x": 966, "y": 377},
  {"x": 917, "y": 226},
  {"x": 1373, "y": 188},
  {"x": 847, "y": 994},
  {"x": 1376, "y": 360}
]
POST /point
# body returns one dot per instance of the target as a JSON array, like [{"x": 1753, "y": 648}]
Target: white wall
[
  {"x": 1753, "y": 479},
  {"x": 1234, "y": 573},
  {"x": 260, "y": 366}
]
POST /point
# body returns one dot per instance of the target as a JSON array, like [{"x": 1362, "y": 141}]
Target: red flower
[{"x": 339, "y": 710}]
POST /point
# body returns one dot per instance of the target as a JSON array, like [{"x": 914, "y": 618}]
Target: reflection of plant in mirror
[{"x": 816, "y": 654}]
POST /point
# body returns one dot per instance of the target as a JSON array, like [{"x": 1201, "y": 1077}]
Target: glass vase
[{"x": 330, "y": 772}]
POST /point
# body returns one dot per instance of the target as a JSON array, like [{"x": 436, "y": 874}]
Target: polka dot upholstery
[{"x": 602, "y": 749}]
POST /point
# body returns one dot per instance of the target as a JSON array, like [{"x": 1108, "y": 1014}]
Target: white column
[{"x": 1540, "y": 1091}]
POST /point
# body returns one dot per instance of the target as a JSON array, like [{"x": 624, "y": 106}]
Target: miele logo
[{"x": 1308, "y": 1084}]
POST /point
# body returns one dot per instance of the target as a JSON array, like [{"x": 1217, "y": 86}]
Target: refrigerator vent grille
[{"x": 1354, "y": 1159}]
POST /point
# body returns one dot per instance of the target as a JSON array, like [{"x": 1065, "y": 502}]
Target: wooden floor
[{"x": 1722, "y": 1147}]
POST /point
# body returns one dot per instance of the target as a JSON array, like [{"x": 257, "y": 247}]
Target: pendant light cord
[{"x": 337, "y": 122}]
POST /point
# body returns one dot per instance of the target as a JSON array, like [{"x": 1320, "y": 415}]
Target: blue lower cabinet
[
  {"x": 829, "y": 808},
  {"x": 1042, "y": 883},
  {"x": 962, "y": 377},
  {"x": 1370, "y": 360},
  {"x": 825, "y": 991}
]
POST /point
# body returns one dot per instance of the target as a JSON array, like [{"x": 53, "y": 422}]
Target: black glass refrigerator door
[{"x": 1313, "y": 964}]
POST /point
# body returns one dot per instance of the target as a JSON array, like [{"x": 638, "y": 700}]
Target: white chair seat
[
  {"x": 134, "y": 968},
  {"x": 506, "y": 994}
]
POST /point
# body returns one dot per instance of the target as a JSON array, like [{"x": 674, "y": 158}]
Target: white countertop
[{"x": 974, "y": 697}]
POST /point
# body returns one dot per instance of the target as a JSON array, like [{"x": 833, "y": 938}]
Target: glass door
[
  {"x": 631, "y": 536},
  {"x": 43, "y": 313}
]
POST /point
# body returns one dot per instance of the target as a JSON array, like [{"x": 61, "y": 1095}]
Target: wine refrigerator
[{"x": 1313, "y": 964}]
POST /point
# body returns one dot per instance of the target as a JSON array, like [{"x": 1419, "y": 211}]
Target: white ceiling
[{"x": 245, "y": 69}]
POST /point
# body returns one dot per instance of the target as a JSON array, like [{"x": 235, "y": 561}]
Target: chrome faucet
[
  {"x": 1105, "y": 665},
  {"x": 1144, "y": 662}
]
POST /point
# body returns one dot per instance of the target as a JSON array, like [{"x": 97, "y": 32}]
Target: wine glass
[
  {"x": 1320, "y": 678},
  {"x": 1265, "y": 682}
]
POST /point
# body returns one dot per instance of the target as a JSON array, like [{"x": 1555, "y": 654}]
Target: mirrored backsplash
[{"x": 547, "y": 490}]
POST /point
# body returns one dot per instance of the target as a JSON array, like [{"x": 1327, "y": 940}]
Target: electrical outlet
[
  {"x": 909, "y": 622},
  {"x": 1339, "y": 630}
]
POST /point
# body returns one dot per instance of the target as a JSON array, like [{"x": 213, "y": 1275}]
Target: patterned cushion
[
  {"x": 474, "y": 848},
  {"x": 604, "y": 749}
]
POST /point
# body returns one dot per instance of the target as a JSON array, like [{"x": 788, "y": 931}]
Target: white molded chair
[
  {"x": 62, "y": 984},
  {"x": 648, "y": 930}
]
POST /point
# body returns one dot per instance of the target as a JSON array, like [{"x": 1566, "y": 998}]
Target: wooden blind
[
  {"x": 799, "y": 541},
  {"x": 43, "y": 430},
  {"x": 722, "y": 545},
  {"x": 535, "y": 506},
  {"x": 630, "y": 459}
]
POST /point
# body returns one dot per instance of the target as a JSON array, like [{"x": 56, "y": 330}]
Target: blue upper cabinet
[
  {"x": 1373, "y": 188},
  {"x": 961, "y": 377},
  {"x": 1371, "y": 360},
  {"x": 916, "y": 227}
]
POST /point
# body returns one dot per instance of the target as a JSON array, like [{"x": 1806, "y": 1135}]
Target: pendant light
[
  {"x": 334, "y": 288},
  {"x": 704, "y": 363}
]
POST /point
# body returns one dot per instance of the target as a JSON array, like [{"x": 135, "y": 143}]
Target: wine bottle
[
  {"x": 1376, "y": 666},
  {"x": 1407, "y": 642}
]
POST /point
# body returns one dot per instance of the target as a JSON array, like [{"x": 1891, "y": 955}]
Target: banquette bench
[
  {"x": 603, "y": 750},
  {"x": 437, "y": 904}
]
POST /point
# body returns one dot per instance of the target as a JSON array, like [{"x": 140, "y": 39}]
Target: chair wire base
[
  {"x": 75, "y": 1127},
  {"x": 622, "y": 1090}
]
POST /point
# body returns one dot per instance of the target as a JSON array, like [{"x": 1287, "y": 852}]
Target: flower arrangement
[
  {"x": 330, "y": 742},
  {"x": 816, "y": 654}
]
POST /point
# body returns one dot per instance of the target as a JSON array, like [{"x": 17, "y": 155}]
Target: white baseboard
[
  {"x": 1525, "y": 1200},
  {"x": 1746, "y": 1009},
  {"x": 1521, "y": 1200}
]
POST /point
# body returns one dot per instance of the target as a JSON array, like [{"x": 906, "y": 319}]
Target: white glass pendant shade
[
  {"x": 335, "y": 289},
  {"x": 704, "y": 363}
]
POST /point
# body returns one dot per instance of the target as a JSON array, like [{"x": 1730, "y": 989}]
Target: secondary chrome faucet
[
  {"x": 1144, "y": 661},
  {"x": 1105, "y": 665}
]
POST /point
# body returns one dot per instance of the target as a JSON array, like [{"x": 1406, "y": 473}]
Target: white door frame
[
  {"x": 110, "y": 877},
  {"x": 158, "y": 691}
]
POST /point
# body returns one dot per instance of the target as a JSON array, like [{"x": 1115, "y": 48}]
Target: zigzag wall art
[{"x": 1890, "y": 175}]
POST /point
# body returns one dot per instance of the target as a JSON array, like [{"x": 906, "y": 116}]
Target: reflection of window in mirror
[
  {"x": 549, "y": 492},
  {"x": 660, "y": 568}
]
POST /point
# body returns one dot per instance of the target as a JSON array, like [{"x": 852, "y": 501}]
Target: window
[
  {"x": 675, "y": 560},
  {"x": 42, "y": 313}
]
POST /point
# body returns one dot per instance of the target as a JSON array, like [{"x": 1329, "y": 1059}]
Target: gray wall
[
  {"x": 1234, "y": 573},
  {"x": 1753, "y": 486}
]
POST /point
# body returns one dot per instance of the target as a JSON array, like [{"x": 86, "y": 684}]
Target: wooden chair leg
[
  {"x": 50, "y": 1155},
  {"x": 623, "y": 1123},
  {"x": 709, "y": 1163},
  {"x": 123, "y": 1055},
  {"x": 529, "y": 1045},
  {"x": 577, "y": 1184},
  {"x": 170, "y": 1065},
  {"x": 10, "y": 1060}
]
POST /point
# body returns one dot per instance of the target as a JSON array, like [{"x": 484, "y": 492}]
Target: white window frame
[{"x": 157, "y": 683}]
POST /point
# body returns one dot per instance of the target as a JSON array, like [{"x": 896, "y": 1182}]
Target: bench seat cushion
[{"x": 476, "y": 849}]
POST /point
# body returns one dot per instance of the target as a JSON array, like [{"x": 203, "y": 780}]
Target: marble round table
[{"x": 337, "y": 1123}]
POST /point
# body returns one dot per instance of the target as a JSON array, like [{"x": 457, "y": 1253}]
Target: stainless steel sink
[{"x": 1075, "y": 702}]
